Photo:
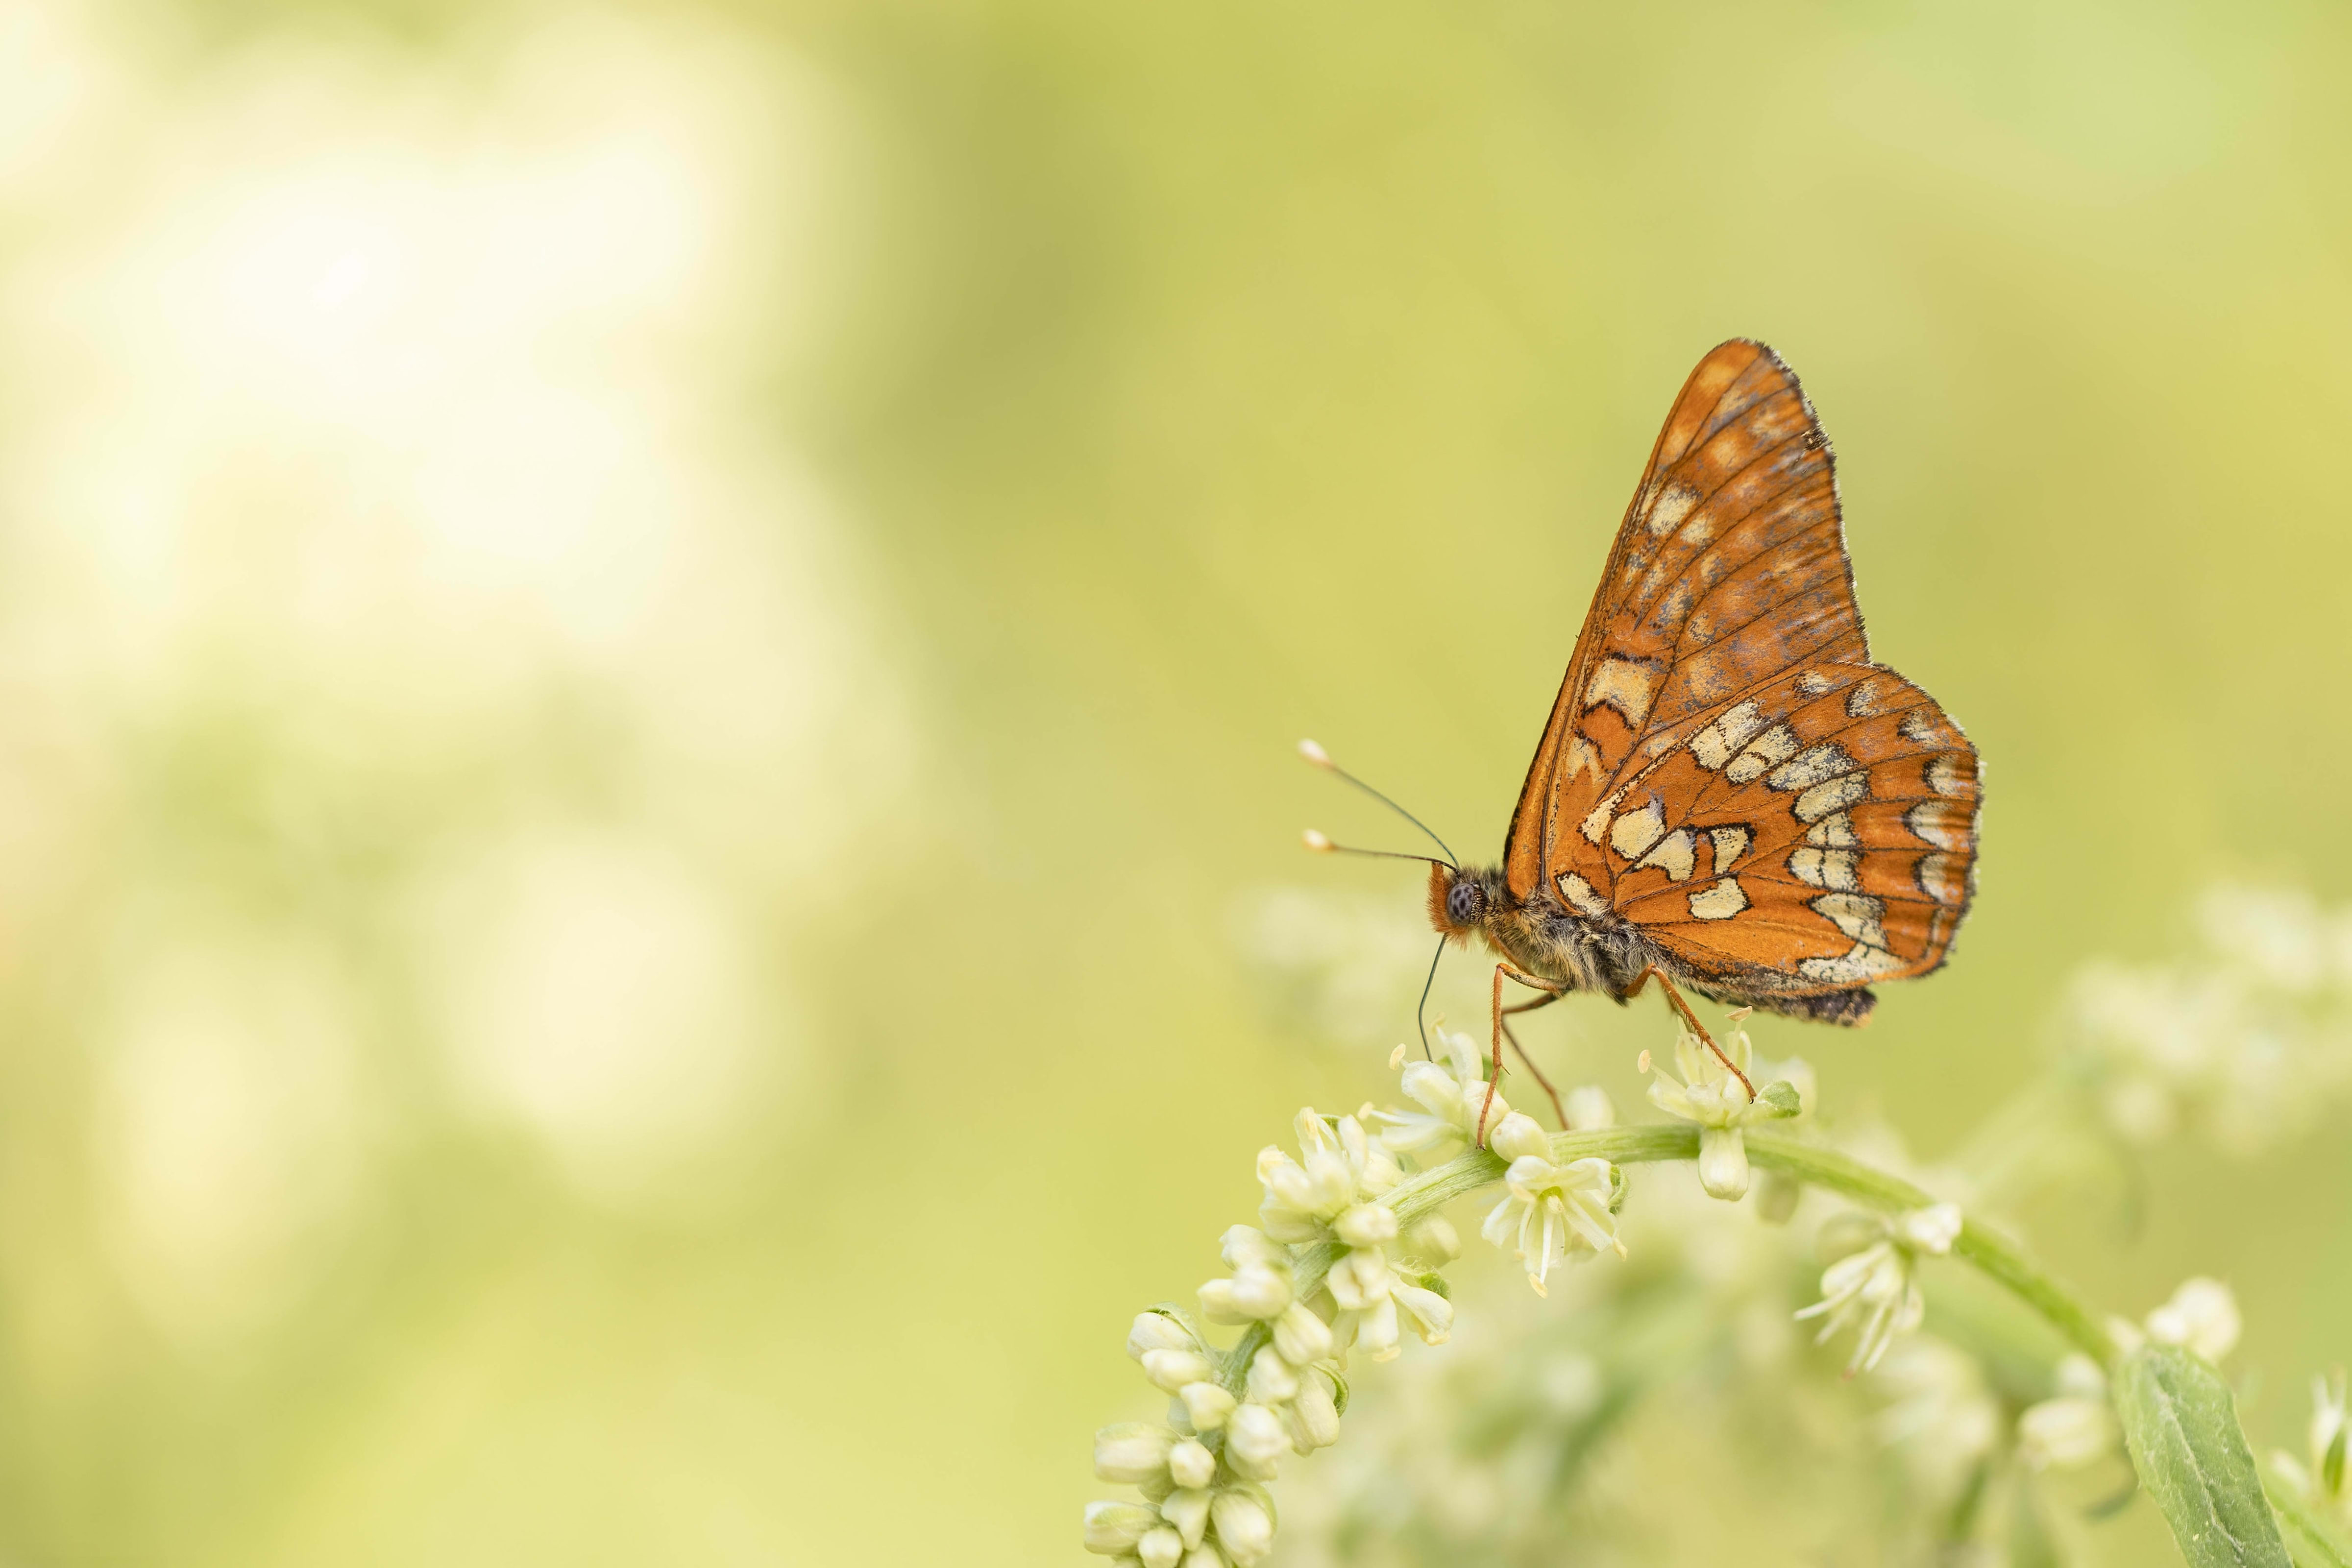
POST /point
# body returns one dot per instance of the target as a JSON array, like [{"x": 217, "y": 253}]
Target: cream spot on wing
[
  {"x": 1582, "y": 758},
  {"x": 1859, "y": 964},
  {"x": 1834, "y": 796},
  {"x": 1812, "y": 684},
  {"x": 1920, "y": 728},
  {"x": 1769, "y": 749},
  {"x": 1811, "y": 767},
  {"x": 1941, "y": 823},
  {"x": 1833, "y": 831},
  {"x": 1714, "y": 746},
  {"x": 1676, "y": 854},
  {"x": 1625, "y": 686},
  {"x": 1855, "y": 914},
  {"x": 1673, "y": 506},
  {"x": 1638, "y": 829},
  {"x": 1596, "y": 821},
  {"x": 1581, "y": 894},
  {"x": 1952, "y": 775},
  {"x": 1862, "y": 700},
  {"x": 1943, "y": 879},
  {"x": 1719, "y": 901},
  {"x": 1833, "y": 869},
  {"x": 1730, "y": 844}
]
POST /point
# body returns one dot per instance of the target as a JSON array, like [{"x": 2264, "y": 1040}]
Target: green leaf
[
  {"x": 2182, "y": 1429},
  {"x": 1781, "y": 1098}
]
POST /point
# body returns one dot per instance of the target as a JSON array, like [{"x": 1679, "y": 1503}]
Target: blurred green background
[{"x": 649, "y": 657}]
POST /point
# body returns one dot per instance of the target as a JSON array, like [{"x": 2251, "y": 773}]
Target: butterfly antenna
[
  {"x": 1322, "y": 758},
  {"x": 1421, "y": 1013}
]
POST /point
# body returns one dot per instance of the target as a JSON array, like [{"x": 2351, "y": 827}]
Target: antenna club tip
[
  {"x": 1316, "y": 842},
  {"x": 1314, "y": 754}
]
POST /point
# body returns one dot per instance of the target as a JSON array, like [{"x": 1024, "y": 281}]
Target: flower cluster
[
  {"x": 2077, "y": 1424},
  {"x": 2245, "y": 1040},
  {"x": 1327, "y": 1271},
  {"x": 1711, "y": 1094},
  {"x": 1874, "y": 1285}
]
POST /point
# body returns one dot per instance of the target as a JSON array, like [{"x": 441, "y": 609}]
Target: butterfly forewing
[
  {"x": 1728, "y": 568},
  {"x": 1724, "y": 766}
]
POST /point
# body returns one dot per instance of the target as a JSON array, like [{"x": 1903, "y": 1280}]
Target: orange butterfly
[{"x": 1729, "y": 795}]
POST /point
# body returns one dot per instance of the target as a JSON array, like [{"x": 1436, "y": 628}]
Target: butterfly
[{"x": 1730, "y": 795}]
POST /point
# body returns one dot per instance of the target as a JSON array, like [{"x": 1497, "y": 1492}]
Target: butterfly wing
[
  {"x": 1816, "y": 834},
  {"x": 1725, "y": 619}
]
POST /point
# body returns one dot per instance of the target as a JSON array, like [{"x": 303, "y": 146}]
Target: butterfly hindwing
[
  {"x": 1814, "y": 834},
  {"x": 1729, "y": 568}
]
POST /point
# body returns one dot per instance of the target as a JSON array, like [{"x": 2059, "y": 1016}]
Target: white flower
[
  {"x": 1709, "y": 1094},
  {"x": 1337, "y": 1169},
  {"x": 1573, "y": 1202},
  {"x": 1187, "y": 1513},
  {"x": 1451, "y": 1096},
  {"x": 2203, "y": 1316},
  {"x": 1874, "y": 1289},
  {"x": 2074, "y": 1428}
]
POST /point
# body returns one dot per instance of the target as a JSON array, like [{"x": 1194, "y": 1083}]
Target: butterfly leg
[
  {"x": 1558, "y": 1113},
  {"x": 1495, "y": 1074},
  {"x": 1674, "y": 1000}
]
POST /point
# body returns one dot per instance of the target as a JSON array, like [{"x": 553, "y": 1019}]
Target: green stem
[{"x": 1993, "y": 1254}]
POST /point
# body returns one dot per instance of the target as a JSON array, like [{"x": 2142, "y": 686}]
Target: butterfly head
[{"x": 1459, "y": 900}]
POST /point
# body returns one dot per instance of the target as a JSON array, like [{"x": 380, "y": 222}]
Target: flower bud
[
  {"x": 2065, "y": 1432},
  {"x": 1131, "y": 1451},
  {"x": 1359, "y": 1279},
  {"x": 1161, "y": 1548},
  {"x": 1300, "y": 1336},
  {"x": 1776, "y": 1193},
  {"x": 1261, "y": 1293},
  {"x": 1187, "y": 1511},
  {"x": 1254, "y": 1441},
  {"x": 1157, "y": 1331},
  {"x": 1207, "y": 1404},
  {"x": 1244, "y": 1526},
  {"x": 1242, "y": 1245},
  {"x": 1170, "y": 1370},
  {"x": 1431, "y": 1314},
  {"x": 1204, "y": 1557},
  {"x": 1376, "y": 1330},
  {"x": 1312, "y": 1417},
  {"x": 1366, "y": 1225},
  {"x": 1589, "y": 1109},
  {"x": 1190, "y": 1465},
  {"x": 2202, "y": 1316},
  {"x": 1931, "y": 1229},
  {"x": 1723, "y": 1163},
  {"x": 1113, "y": 1528},
  {"x": 1271, "y": 1380}
]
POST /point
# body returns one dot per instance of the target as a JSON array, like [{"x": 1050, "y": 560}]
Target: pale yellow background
[{"x": 648, "y": 659}]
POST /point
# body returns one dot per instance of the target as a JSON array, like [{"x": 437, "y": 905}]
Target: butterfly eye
[{"x": 1465, "y": 900}]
